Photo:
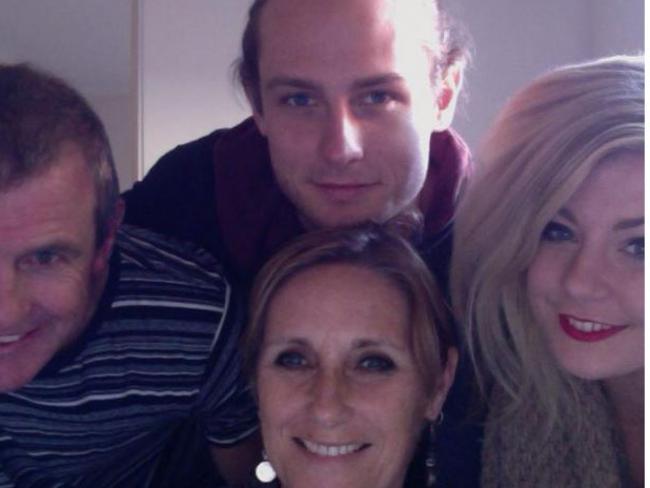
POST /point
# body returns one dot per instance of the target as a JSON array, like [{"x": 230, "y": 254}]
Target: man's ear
[
  {"x": 444, "y": 384},
  {"x": 254, "y": 98},
  {"x": 451, "y": 83},
  {"x": 105, "y": 248}
]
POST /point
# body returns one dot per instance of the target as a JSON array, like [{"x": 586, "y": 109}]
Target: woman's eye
[
  {"x": 298, "y": 100},
  {"x": 376, "y": 363},
  {"x": 291, "y": 360},
  {"x": 636, "y": 248},
  {"x": 556, "y": 232}
]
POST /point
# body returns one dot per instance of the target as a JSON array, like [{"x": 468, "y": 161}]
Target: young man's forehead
[
  {"x": 326, "y": 31},
  {"x": 411, "y": 13}
]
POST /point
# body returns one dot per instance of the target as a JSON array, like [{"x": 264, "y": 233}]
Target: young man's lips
[
  {"x": 344, "y": 190},
  {"x": 588, "y": 330}
]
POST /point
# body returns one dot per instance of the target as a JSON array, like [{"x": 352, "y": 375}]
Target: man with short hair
[
  {"x": 352, "y": 102},
  {"x": 112, "y": 339}
]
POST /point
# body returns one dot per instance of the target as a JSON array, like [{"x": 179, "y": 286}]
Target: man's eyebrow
[
  {"x": 289, "y": 81},
  {"x": 629, "y": 223},
  {"x": 306, "y": 84},
  {"x": 60, "y": 247},
  {"x": 381, "y": 79}
]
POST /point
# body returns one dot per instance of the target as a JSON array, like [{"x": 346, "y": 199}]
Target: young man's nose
[{"x": 341, "y": 142}]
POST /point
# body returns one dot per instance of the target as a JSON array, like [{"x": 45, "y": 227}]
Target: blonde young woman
[{"x": 548, "y": 274}]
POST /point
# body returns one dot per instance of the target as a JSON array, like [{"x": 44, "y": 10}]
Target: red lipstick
[{"x": 587, "y": 330}]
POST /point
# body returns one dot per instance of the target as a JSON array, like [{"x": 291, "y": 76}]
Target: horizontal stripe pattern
[{"x": 162, "y": 350}]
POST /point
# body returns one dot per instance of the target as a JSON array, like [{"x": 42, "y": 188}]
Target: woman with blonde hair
[{"x": 547, "y": 278}]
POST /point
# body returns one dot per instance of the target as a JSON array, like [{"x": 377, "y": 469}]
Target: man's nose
[
  {"x": 586, "y": 277},
  {"x": 341, "y": 142},
  {"x": 328, "y": 398}
]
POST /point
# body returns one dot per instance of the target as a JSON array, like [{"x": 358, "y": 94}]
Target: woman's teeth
[
  {"x": 323, "y": 450},
  {"x": 585, "y": 326}
]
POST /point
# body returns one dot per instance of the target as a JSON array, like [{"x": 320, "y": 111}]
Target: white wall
[
  {"x": 513, "y": 42},
  {"x": 118, "y": 117},
  {"x": 516, "y": 40},
  {"x": 186, "y": 83},
  {"x": 617, "y": 26},
  {"x": 86, "y": 42}
]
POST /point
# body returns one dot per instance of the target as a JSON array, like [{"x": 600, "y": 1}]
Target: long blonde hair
[{"x": 542, "y": 146}]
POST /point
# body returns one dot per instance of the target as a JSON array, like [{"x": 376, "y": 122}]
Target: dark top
[{"x": 160, "y": 350}]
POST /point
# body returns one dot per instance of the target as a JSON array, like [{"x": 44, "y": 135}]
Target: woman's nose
[
  {"x": 328, "y": 401},
  {"x": 586, "y": 276}
]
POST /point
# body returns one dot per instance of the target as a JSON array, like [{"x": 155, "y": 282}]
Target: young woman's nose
[{"x": 586, "y": 275}]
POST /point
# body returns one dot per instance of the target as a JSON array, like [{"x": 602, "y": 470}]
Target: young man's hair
[
  {"x": 38, "y": 114},
  {"x": 445, "y": 39}
]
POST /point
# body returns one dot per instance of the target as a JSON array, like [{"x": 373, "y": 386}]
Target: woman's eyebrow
[
  {"x": 629, "y": 223},
  {"x": 370, "y": 343}
]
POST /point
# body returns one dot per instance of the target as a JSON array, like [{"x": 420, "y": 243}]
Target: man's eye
[
  {"x": 556, "y": 232},
  {"x": 42, "y": 258},
  {"x": 377, "y": 363},
  {"x": 298, "y": 100},
  {"x": 376, "y": 97},
  {"x": 291, "y": 360},
  {"x": 636, "y": 248}
]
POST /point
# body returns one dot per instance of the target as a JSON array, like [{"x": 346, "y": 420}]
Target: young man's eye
[
  {"x": 291, "y": 360},
  {"x": 556, "y": 232},
  {"x": 636, "y": 248},
  {"x": 377, "y": 363},
  {"x": 376, "y": 97},
  {"x": 298, "y": 100}
]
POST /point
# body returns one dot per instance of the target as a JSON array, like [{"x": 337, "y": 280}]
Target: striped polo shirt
[{"x": 161, "y": 349}]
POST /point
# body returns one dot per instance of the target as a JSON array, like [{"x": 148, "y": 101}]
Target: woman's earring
[
  {"x": 430, "y": 461},
  {"x": 264, "y": 471}
]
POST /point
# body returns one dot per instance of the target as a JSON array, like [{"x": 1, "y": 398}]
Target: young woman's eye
[
  {"x": 636, "y": 248},
  {"x": 291, "y": 360},
  {"x": 377, "y": 363},
  {"x": 298, "y": 100},
  {"x": 556, "y": 232}
]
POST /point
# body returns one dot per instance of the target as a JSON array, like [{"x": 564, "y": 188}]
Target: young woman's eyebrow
[{"x": 629, "y": 223}]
